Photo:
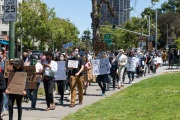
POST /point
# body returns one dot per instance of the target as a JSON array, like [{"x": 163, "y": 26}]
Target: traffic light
[
  {"x": 113, "y": 27},
  {"x": 91, "y": 25}
]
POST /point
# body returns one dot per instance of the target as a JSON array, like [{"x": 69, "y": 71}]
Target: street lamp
[{"x": 149, "y": 24}]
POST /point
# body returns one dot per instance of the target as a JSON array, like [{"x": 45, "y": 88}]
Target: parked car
[{"x": 37, "y": 53}]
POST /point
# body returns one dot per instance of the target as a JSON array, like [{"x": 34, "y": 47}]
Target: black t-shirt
[{"x": 76, "y": 70}]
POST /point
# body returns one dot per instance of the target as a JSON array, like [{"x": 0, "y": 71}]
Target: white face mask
[
  {"x": 76, "y": 53},
  {"x": 61, "y": 58}
]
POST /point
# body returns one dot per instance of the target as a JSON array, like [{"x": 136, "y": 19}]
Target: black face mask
[{"x": 47, "y": 59}]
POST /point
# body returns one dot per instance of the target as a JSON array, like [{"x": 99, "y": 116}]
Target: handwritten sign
[
  {"x": 101, "y": 66},
  {"x": 31, "y": 76},
  {"x": 17, "y": 82},
  {"x": 72, "y": 64},
  {"x": 61, "y": 72}
]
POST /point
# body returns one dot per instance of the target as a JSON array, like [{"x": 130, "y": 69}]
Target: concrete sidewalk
[{"x": 93, "y": 95}]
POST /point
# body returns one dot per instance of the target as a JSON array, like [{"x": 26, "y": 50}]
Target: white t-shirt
[{"x": 39, "y": 69}]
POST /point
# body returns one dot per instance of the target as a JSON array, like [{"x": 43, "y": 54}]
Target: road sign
[
  {"x": 10, "y": 10},
  {"x": 67, "y": 45},
  {"x": 108, "y": 38}
]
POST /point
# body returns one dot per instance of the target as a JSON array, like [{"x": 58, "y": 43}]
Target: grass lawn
[{"x": 156, "y": 98}]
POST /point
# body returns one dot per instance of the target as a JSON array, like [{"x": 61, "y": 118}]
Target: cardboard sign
[
  {"x": 8, "y": 67},
  {"x": 61, "y": 72},
  {"x": 73, "y": 63},
  {"x": 17, "y": 82},
  {"x": 99, "y": 47},
  {"x": 150, "y": 46},
  {"x": 101, "y": 66},
  {"x": 31, "y": 76}
]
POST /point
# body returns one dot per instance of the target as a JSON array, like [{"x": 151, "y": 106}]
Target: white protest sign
[
  {"x": 101, "y": 66},
  {"x": 10, "y": 10},
  {"x": 61, "y": 72},
  {"x": 72, "y": 64}
]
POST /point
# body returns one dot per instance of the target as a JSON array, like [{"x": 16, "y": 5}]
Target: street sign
[
  {"x": 10, "y": 10},
  {"x": 108, "y": 38},
  {"x": 67, "y": 45}
]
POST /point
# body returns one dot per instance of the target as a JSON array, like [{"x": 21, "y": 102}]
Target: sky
[{"x": 78, "y": 11}]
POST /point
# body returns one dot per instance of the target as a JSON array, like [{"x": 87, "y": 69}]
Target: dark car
[{"x": 37, "y": 53}]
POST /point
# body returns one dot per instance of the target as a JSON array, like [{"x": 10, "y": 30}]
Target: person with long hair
[
  {"x": 18, "y": 67},
  {"x": 131, "y": 67},
  {"x": 49, "y": 69}
]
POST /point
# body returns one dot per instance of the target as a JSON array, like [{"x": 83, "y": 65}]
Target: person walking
[
  {"x": 2, "y": 90},
  {"x": 18, "y": 67},
  {"x": 113, "y": 69},
  {"x": 61, "y": 83},
  {"x": 131, "y": 66},
  {"x": 122, "y": 60},
  {"x": 49, "y": 69},
  {"x": 77, "y": 78},
  {"x": 102, "y": 79},
  {"x": 32, "y": 93}
]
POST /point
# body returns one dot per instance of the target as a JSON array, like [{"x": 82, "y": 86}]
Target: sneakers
[
  {"x": 103, "y": 94},
  {"x": 61, "y": 102},
  {"x": 132, "y": 82},
  {"x": 67, "y": 92}
]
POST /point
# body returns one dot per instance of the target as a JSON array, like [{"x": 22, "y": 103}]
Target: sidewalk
[{"x": 93, "y": 95}]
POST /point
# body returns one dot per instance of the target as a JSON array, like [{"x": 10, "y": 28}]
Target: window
[
  {"x": 4, "y": 32},
  {"x": 2, "y": 7}
]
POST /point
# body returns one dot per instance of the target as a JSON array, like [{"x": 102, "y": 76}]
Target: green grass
[
  {"x": 156, "y": 98},
  {"x": 41, "y": 92}
]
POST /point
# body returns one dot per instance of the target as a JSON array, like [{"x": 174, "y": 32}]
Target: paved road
[{"x": 94, "y": 94}]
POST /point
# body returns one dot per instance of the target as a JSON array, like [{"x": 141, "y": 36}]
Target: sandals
[
  {"x": 53, "y": 107},
  {"x": 47, "y": 109}
]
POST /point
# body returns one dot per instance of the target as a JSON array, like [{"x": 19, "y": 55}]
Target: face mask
[
  {"x": 61, "y": 58},
  {"x": 75, "y": 53},
  {"x": 48, "y": 59}
]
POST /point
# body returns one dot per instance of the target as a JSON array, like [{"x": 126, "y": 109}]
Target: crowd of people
[{"x": 134, "y": 64}]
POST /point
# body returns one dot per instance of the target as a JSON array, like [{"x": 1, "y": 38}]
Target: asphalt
[{"x": 93, "y": 95}]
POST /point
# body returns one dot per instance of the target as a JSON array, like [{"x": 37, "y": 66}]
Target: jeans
[
  {"x": 32, "y": 95},
  {"x": 60, "y": 85},
  {"x": 131, "y": 75},
  {"x": 5, "y": 102},
  {"x": 102, "y": 82}
]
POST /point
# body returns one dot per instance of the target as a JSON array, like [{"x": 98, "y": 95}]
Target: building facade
[{"x": 122, "y": 12}]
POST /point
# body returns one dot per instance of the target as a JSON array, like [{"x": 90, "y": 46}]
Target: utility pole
[
  {"x": 156, "y": 33},
  {"x": 167, "y": 36},
  {"x": 11, "y": 39}
]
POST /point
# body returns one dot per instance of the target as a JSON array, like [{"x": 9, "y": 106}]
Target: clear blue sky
[{"x": 78, "y": 11}]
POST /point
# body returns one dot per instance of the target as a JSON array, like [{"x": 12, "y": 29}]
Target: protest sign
[
  {"x": 61, "y": 72},
  {"x": 8, "y": 67},
  {"x": 101, "y": 66},
  {"x": 72, "y": 64},
  {"x": 67, "y": 45},
  {"x": 31, "y": 76},
  {"x": 17, "y": 82}
]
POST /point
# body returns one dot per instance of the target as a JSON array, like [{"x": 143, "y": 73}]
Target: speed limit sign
[{"x": 10, "y": 10}]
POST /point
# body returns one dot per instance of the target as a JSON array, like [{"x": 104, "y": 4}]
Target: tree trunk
[{"x": 95, "y": 21}]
